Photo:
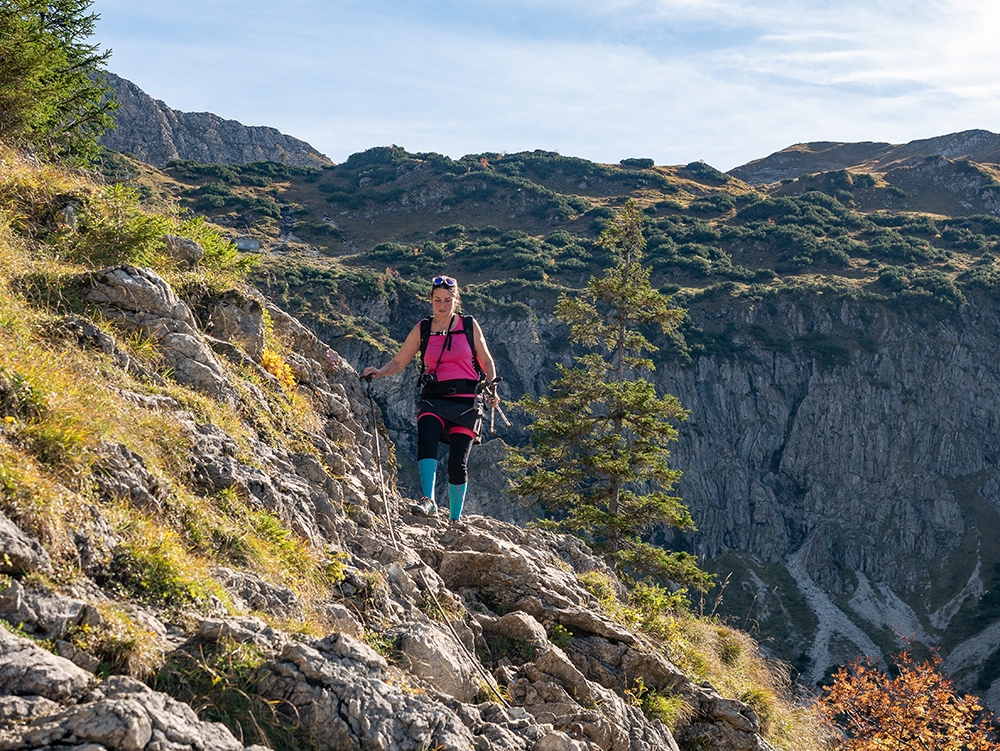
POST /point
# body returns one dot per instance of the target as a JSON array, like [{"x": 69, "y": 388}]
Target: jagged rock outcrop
[
  {"x": 48, "y": 702},
  {"x": 850, "y": 476},
  {"x": 156, "y": 134},
  {"x": 143, "y": 302},
  {"x": 442, "y": 686}
]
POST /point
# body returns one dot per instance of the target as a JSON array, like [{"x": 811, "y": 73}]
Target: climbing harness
[{"x": 378, "y": 460}]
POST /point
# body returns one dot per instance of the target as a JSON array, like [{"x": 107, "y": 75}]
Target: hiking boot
[{"x": 424, "y": 507}]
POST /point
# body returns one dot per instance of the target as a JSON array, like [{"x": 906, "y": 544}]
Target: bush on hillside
[
  {"x": 637, "y": 163},
  {"x": 707, "y": 172}
]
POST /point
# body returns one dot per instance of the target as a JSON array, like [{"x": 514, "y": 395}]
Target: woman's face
[{"x": 443, "y": 301}]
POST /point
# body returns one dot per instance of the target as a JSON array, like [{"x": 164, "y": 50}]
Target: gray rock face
[
  {"x": 28, "y": 670},
  {"x": 157, "y": 134},
  {"x": 20, "y": 553},
  {"x": 430, "y": 653},
  {"x": 121, "y": 713},
  {"x": 186, "y": 252},
  {"x": 141, "y": 300},
  {"x": 121, "y": 473},
  {"x": 849, "y": 477}
]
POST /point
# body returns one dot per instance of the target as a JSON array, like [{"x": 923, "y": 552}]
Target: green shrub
[
  {"x": 864, "y": 180},
  {"x": 717, "y": 203},
  {"x": 222, "y": 682},
  {"x": 220, "y": 253},
  {"x": 637, "y": 163},
  {"x": 375, "y": 156},
  {"x": 561, "y": 636},
  {"x": 115, "y": 229},
  {"x": 826, "y": 350},
  {"x": 706, "y": 172}
]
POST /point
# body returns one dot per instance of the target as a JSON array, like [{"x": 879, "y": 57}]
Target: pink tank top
[{"x": 455, "y": 362}]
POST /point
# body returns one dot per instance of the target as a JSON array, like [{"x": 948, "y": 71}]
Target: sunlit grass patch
[
  {"x": 38, "y": 503},
  {"x": 153, "y": 565},
  {"x": 121, "y": 645},
  {"x": 709, "y": 650},
  {"x": 231, "y": 532},
  {"x": 222, "y": 682}
]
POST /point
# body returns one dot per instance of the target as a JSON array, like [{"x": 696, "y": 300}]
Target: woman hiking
[{"x": 456, "y": 368}]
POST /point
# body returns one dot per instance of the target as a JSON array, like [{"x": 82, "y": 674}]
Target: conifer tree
[
  {"x": 597, "y": 461},
  {"x": 52, "y": 94}
]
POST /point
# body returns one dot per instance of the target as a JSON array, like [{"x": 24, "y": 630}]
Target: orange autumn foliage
[{"x": 918, "y": 710}]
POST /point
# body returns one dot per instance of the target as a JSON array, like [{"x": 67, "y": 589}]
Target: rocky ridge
[
  {"x": 827, "y": 156},
  {"x": 504, "y": 585},
  {"x": 157, "y": 134}
]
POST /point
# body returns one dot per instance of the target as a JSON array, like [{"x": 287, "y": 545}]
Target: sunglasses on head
[{"x": 444, "y": 281}]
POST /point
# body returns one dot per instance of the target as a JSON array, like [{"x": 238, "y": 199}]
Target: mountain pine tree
[
  {"x": 597, "y": 462},
  {"x": 52, "y": 97}
]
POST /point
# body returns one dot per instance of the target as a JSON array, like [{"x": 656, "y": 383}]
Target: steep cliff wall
[
  {"x": 157, "y": 134},
  {"x": 866, "y": 471}
]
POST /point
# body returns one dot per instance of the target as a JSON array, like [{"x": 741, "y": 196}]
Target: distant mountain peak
[
  {"x": 156, "y": 134},
  {"x": 867, "y": 156}
]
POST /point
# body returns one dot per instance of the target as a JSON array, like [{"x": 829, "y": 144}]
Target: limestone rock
[
  {"x": 123, "y": 714},
  {"x": 235, "y": 318},
  {"x": 43, "y": 612},
  {"x": 186, "y": 252},
  {"x": 339, "y": 688},
  {"x": 27, "y": 670},
  {"x": 430, "y": 652},
  {"x": 121, "y": 474},
  {"x": 252, "y": 592},
  {"x": 517, "y": 625},
  {"x": 20, "y": 554},
  {"x": 140, "y": 300},
  {"x": 157, "y": 134}
]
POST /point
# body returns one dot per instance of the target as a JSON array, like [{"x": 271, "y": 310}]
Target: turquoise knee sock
[
  {"x": 456, "y": 499},
  {"x": 428, "y": 471}
]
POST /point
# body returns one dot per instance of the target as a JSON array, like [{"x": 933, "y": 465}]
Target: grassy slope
[{"x": 492, "y": 218}]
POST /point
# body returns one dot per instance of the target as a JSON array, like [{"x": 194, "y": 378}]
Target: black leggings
[{"x": 429, "y": 430}]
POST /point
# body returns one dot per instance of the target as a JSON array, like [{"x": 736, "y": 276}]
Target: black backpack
[{"x": 425, "y": 337}]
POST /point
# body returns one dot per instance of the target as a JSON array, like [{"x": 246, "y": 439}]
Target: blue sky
[{"x": 673, "y": 80}]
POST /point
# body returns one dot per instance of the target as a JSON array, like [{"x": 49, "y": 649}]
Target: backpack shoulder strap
[
  {"x": 425, "y": 337},
  {"x": 470, "y": 334}
]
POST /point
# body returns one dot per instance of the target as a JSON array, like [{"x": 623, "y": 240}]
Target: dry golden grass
[
  {"x": 67, "y": 402},
  {"x": 708, "y": 650}
]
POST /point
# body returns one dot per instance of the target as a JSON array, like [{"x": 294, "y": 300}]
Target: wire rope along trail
[
  {"x": 490, "y": 681},
  {"x": 378, "y": 461}
]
